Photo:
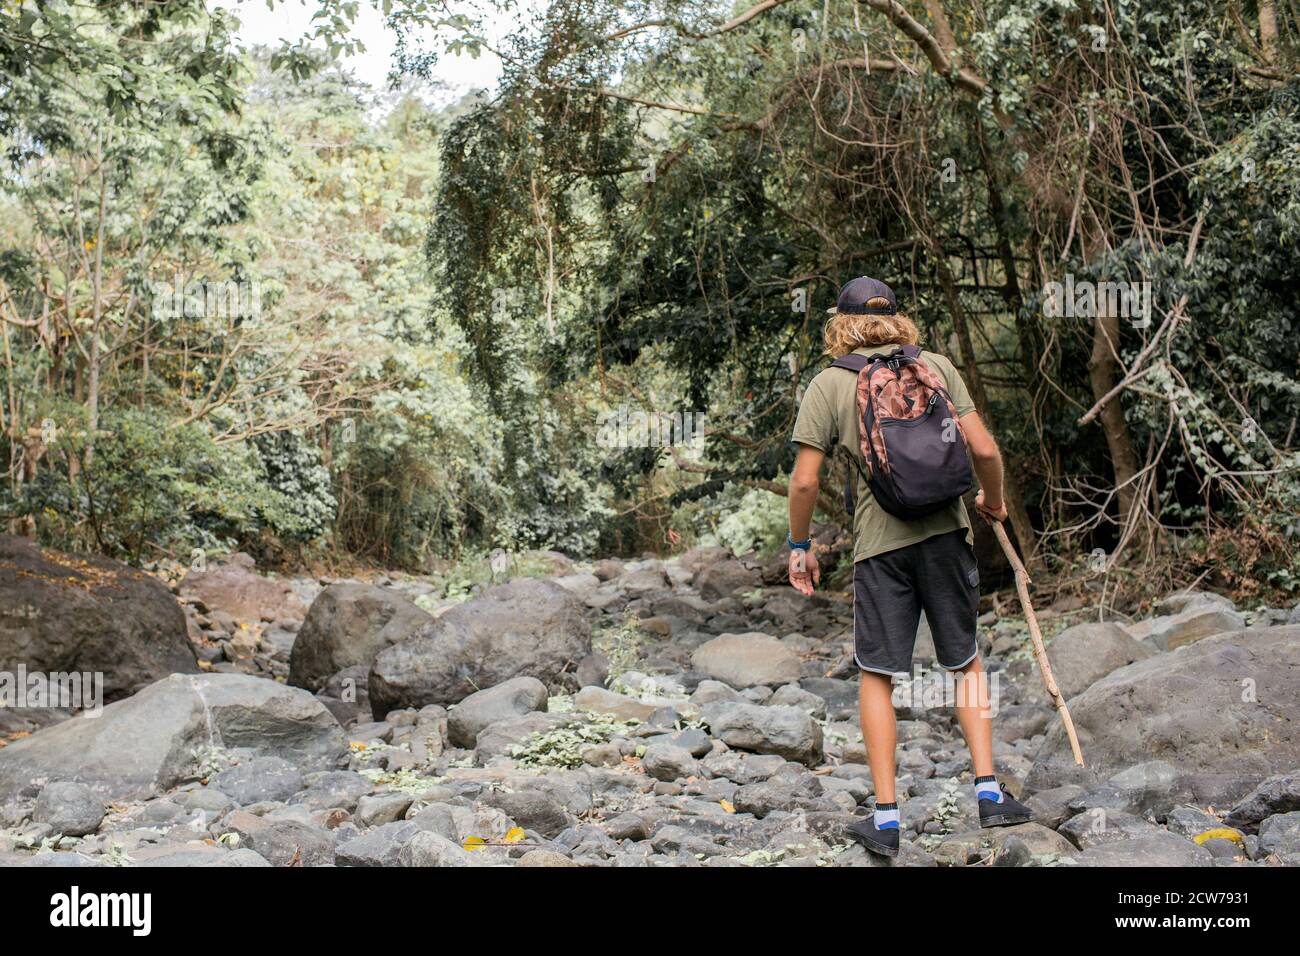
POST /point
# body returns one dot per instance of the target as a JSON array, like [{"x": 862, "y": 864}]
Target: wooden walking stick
[{"x": 1040, "y": 652}]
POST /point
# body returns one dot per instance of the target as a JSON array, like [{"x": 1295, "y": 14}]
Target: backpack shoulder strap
[
  {"x": 911, "y": 351},
  {"x": 853, "y": 362}
]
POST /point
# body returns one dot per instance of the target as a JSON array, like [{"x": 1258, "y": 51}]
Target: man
[{"x": 901, "y": 567}]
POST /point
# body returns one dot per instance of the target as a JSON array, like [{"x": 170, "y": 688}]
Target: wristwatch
[{"x": 798, "y": 545}]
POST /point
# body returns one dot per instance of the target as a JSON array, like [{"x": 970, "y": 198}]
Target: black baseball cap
[{"x": 855, "y": 295}]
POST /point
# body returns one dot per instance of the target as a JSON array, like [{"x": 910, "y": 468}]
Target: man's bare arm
[
  {"x": 987, "y": 462},
  {"x": 804, "y": 570},
  {"x": 803, "y": 489}
]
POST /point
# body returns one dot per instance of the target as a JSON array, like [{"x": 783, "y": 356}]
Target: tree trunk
[
  {"x": 1268, "y": 30},
  {"x": 1102, "y": 374}
]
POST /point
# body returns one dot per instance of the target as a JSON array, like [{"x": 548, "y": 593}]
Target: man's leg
[
  {"x": 885, "y": 615},
  {"x": 950, "y": 596},
  {"x": 974, "y": 716},
  {"x": 876, "y": 710}
]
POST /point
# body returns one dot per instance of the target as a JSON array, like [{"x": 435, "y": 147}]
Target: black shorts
[{"x": 938, "y": 576}]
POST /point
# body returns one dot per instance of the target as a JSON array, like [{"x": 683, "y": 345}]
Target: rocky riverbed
[{"x": 688, "y": 712}]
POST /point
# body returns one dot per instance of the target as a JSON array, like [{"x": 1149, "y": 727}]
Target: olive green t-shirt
[{"x": 828, "y": 415}]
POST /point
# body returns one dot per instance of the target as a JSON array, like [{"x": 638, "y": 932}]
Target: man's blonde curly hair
[{"x": 846, "y": 331}]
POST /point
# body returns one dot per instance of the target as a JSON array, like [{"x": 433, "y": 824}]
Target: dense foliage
[{"x": 642, "y": 225}]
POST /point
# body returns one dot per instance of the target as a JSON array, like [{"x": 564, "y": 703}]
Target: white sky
[{"x": 291, "y": 19}]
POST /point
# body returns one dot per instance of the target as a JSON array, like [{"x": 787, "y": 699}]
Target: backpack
[{"x": 909, "y": 434}]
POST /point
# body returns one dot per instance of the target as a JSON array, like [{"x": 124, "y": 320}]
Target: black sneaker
[
  {"x": 880, "y": 842},
  {"x": 1007, "y": 813}
]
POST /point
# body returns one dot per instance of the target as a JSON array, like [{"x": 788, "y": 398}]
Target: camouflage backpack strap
[
  {"x": 932, "y": 380},
  {"x": 853, "y": 363}
]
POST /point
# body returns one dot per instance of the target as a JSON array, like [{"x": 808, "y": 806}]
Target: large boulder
[
  {"x": 747, "y": 660},
  {"x": 785, "y": 731},
  {"x": 347, "y": 625},
  {"x": 1084, "y": 654},
  {"x": 148, "y": 743},
  {"x": 235, "y": 587},
  {"x": 526, "y": 627},
  {"x": 1224, "y": 712},
  {"x": 63, "y": 613}
]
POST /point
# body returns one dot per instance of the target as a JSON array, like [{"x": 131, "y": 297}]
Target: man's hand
[
  {"x": 805, "y": 573},
  {"x": 990, "y": 512}
]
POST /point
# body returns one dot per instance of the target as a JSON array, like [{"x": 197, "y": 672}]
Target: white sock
[
  {"x": 886, "y": 816},
  {"x": 986, "y": 788}
]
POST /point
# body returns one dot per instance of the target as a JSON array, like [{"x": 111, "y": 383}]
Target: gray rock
[
  {"x": 785, "y": 731},
  {"x": 1190, "y": 822},
  {"x": 581, "y": 585},
  {"x": 1083, "y": 654},
  {"x": 1194, "y": 624},
  {"x": 643, "y": 581},
  {"x": 777, "y": 794},
  {"x": 382, "y": 808},
  {"x": 1280, "y": 835},
  {"x": 627, "y": 826},
  {"x": 262, "y": 778},
  {"x": 607, "y": 569},
  {"x": 1022, "y": 721},
  {"x": 530, "y": 809},
  {"x": 1036, "y": 842},
  {"x": 1159, "y": 849},
  {"x": 347, "y": 694},
  {"x": 747, "y": 660},
  {"x": 546, "y": 858},
  {"x": 1183, "y": 600},
  {"x": 1224, "y": 711},
  {"x": 207, "y": 800},
  {"x": 524, "y": 627},
  {"x": 380, "y": 846},
  {"x": 721, "y": 579},
  {"x": 1052, "y": 807},
  {"x": 841, "y": 696},
  {"x": 712, "y": 691},
  {"x": 233, "y": 589},
  {"x": 696, "y": 560},
  {"x": 667, "y": 762},
  {"x": 282, "y": 842},
  {"x": 512, "y": 698},
  {"x": 431, "y": 849},
  {"x": 1279, "y": 793},
  {"x": 1151, "y": 785},
  {"x": 85, "y": 614},
  {"x": 71, "y": 809},
  {"x": 695, "y": 742},
  {"x": 1098, "y": 826},
  {"x": 61, "y": 860},
  {"x": 336, "y": 789},
  {"x": 347, "y": 625},
  {"x": 500, "y": 738},
  {"x": 741, "y": 768},
  {"x": 598, "y": 700},
  {"x": 792, "y": 695},
  {"x": 168, "y": 724}
]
